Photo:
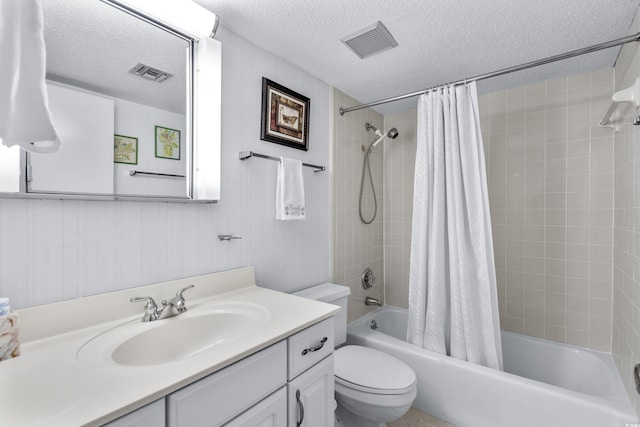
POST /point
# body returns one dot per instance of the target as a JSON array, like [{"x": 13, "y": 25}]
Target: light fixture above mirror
[{"x": 183, "y": 15}]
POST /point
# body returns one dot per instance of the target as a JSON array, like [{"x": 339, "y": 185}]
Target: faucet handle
[
  {"x": 179, "y": 293},
  {"x": 150, "y": 302},
  {"x": 179, "y": 301},
  {"x": 150, "y": 308}
]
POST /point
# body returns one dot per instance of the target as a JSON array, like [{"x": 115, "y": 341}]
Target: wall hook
[{"x": 227, "y": 237}]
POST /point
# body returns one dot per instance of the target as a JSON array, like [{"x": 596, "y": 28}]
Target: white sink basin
[{"x": 201, "y": 328}]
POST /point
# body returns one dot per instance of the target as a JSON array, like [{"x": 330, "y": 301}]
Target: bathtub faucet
[{"x": 372, "y": 301}]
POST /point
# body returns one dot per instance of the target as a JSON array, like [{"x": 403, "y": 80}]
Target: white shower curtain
[{"x": 453, "y": 304}]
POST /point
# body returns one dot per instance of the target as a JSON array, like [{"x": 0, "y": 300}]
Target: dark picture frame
[{"x": 285, "y": 116}]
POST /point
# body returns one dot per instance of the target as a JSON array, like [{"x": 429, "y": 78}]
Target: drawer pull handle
[
  {"x": 300, "y": 407},
  {"x": 316, "y": 348}
]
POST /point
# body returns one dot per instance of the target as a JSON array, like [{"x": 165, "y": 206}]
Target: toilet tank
[{"x": 332, "y": 294}]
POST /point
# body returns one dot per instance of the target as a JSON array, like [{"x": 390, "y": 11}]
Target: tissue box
[{"x": 9, "y": 344}]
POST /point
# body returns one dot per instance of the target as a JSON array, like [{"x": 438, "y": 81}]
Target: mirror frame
[{"x": 203, "y": 123}]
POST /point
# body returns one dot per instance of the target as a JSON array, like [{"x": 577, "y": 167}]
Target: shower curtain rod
[{"x": 548, "y": 60}]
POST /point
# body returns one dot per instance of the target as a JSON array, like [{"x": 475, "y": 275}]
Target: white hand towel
[
  {"x": 290, "y": 190},
  {"x": 25, "y": 119}
]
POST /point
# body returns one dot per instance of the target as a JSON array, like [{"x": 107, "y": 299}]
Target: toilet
[{"x": 372, "y": 388}]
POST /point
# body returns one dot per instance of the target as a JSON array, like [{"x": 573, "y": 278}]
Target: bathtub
[{"x": 544, "y": 383}]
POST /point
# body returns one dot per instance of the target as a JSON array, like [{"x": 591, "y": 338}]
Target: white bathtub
[{"x": 544, "y": 383}]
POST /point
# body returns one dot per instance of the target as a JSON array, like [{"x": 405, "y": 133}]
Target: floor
[{"x": 415, "y": 418}]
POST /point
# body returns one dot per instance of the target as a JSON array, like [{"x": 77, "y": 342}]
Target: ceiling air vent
[
  {"x": 150, "y": 73},
  {"x": 370, "y": 40}
]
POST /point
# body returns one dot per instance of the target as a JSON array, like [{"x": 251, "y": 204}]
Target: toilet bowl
[{"x": 372, "y": 388}]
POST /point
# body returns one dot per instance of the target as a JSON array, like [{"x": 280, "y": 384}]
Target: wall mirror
[{"x": 122, "y": 93}]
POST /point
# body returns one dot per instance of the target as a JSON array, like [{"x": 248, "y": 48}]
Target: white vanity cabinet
[
  {"x": 271, "y": 412},
  {"x": 271, "y": 388},
  {"x": 151, "y": 415},
  {"x": 289, "y": 383},
  {"x": 311, "y": 401},
  {"x": 310, "y": 374},
  {"x": 218, "y": 398}
]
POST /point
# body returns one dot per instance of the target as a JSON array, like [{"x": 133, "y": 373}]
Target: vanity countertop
[{"x": 49, "y": 385}]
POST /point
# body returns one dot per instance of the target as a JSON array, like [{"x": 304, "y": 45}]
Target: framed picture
[
  {"x": 167, "y": 143},
  {"x": 125, "y": 149},
  {"x": 285, "y": 116}
]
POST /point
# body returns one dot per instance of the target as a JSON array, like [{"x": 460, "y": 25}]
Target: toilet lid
[{"x": 370, "y": 368}]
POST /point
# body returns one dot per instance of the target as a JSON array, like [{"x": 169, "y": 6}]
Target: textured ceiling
[
  {"x": 439, "y": 41},
  {"x": 93, "y": 45}
]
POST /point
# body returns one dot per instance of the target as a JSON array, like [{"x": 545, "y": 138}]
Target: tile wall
[
  {"x": 550, "y": 172},
  {"x": 356, "y": 245},
  {"x": 399, "y": 165},
  {"x": 626, "y": 273}
]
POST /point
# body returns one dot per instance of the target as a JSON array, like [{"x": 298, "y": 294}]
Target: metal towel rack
[
  {"x": 169, "y": 175},
  {"x": 244, "y": 155}
]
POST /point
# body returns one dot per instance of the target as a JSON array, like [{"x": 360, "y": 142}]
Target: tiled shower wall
[
  {"x": 626, "y": 273},
  {"x": 356, "y": 246},
  {"x": 399, "y": 165},
  {"x": 550, "y": 179},
  {"x": 550, "y": 171}
]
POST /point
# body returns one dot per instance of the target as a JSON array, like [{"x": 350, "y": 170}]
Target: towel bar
[
  {"x": 135, "y": 172},
  {"x": 244, "y": 155}
]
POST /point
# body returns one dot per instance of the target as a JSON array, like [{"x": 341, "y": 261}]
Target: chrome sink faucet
[{"x": 173, "y": 307}]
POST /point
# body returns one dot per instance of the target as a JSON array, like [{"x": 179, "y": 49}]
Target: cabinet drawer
[
  {"x": 309, "y": 346},
  {"x": 223, "y": 395}
]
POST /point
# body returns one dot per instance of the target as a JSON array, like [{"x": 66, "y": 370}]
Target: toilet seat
[{"x": 371, "y": 371}]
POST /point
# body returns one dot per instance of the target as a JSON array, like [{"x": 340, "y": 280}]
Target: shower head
[{"x": 392, "y": 134}]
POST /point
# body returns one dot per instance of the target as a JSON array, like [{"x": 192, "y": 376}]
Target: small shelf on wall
[{"x": 630, "y": 95}]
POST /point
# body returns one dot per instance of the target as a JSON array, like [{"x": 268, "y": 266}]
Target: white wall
[
  {"x": 54, "y": 250},
  {"x": 139, "y": 121}
]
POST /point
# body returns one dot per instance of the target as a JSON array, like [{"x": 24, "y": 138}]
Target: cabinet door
[
  {"x": 310, "y": 395},
  {"x": 151, "y": 415},
  {"x": 218, "y": 398},
  {"x": 271, "y": 412}
]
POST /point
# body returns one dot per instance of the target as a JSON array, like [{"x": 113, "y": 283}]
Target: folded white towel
[
  {"x": 25, "y": 119},
  {"x": 289, "y": 190}
]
